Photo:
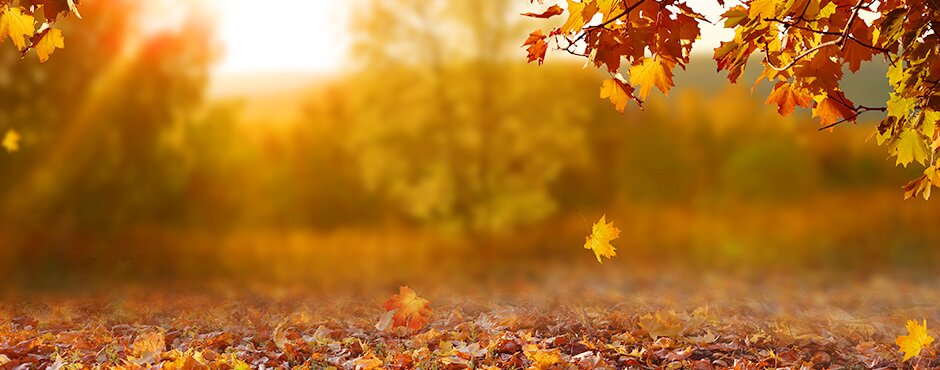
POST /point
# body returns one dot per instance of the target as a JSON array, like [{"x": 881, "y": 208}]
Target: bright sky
[
  {"x": 311, "y": 36},
  {"x": 712, "y": 34},
  {"x": 283, "y": 35}
]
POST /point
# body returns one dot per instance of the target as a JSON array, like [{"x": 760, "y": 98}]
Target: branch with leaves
[
  {"x": 806, "y": 45},
  {"x": 30, "y": 25}
]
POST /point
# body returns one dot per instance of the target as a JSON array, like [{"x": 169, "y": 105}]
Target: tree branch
[
  {"x": 821, "y": 32},
  {"x": 838, "y": 41},
  {"x": 858, "y": 111},
  {"x": 602, "y": 25}
]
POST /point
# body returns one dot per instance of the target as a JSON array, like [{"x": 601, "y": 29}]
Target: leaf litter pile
[{"x": 716, "y": 323}]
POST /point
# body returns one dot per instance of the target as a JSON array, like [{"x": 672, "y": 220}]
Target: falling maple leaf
[
  {"x": 11, "y": 141},
  {"x": 548, "y": 13},
  {"x": 916, "y": 340},
  {"x": 651, "y": 72},
  {"x": 599, "y": 241},
  {"x": 16, "y": 25},
  {"x": 411, "y": 311}
]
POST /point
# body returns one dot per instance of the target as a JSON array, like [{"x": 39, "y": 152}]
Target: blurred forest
[{"x": 436, "y": 153}]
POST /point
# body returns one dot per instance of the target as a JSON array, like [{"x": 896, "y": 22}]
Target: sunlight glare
[
  {"x": 712, "y": 34},
  {"x": 282, "y": 35}
]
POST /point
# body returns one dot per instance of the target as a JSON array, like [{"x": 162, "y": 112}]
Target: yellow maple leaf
[
  {"x": 910, "y": 147},
  {"x": 916, "y": 340},
  {"x": 921, "y": 186},
  {"x": 148, "y": 347},
  {"x": 599, "y": 241},
  {"x": 11, "y": 141},
  {"x": 651, "y": 72},
  {"x": 51, "y": 39},
  {"x": 412, "y": 311},
  {"x": 541, "y": 359},
  {"x": 663, "y": 324},
  {"x": 933, "y": 174},
  {"x": 763, "y": 8},
  {"x": 367, "y": 361},
  {"x": 16, "y": 25},
  {"x": 575, "y": 17}
]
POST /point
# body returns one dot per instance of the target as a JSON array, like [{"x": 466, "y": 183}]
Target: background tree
[
  {"x": 100, "y": 127},
  {"x": 444, "y": 128}
]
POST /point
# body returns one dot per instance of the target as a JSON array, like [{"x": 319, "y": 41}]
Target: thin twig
[
  {"x": 604, "y": 24},
  {"x": 839, "y": 41},
  {"x": 858, "y": 111}
]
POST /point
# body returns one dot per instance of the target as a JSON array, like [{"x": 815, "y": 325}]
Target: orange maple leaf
[
  {"x": 833, "y": 108},
  {"x": 411, "y": 311},
  {"x": 548, "y": 13},
  {"x": 787, "y": 98},
  {"x": 618, "y": 91},
  {"x": 536, "y": 46}
]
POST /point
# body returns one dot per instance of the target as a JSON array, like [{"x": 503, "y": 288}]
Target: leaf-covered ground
[{"x": 715, "y": 323}]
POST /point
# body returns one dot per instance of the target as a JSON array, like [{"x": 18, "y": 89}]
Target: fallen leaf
[
  {"x": 542, "y": 359},
  {"x": 662, "y": 324},
  {"x": 412, "y": 311},
  {"x": 385, "y": 321},
  {"x": 148, "y": 347},
  {"x": 916, "y": 340}
]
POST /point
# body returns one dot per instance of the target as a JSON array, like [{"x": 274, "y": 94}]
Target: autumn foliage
[
  {"x": 804, "y": 45},
  {"x": 282, "y": 246},
  {"x": 31, "y": 26}
]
